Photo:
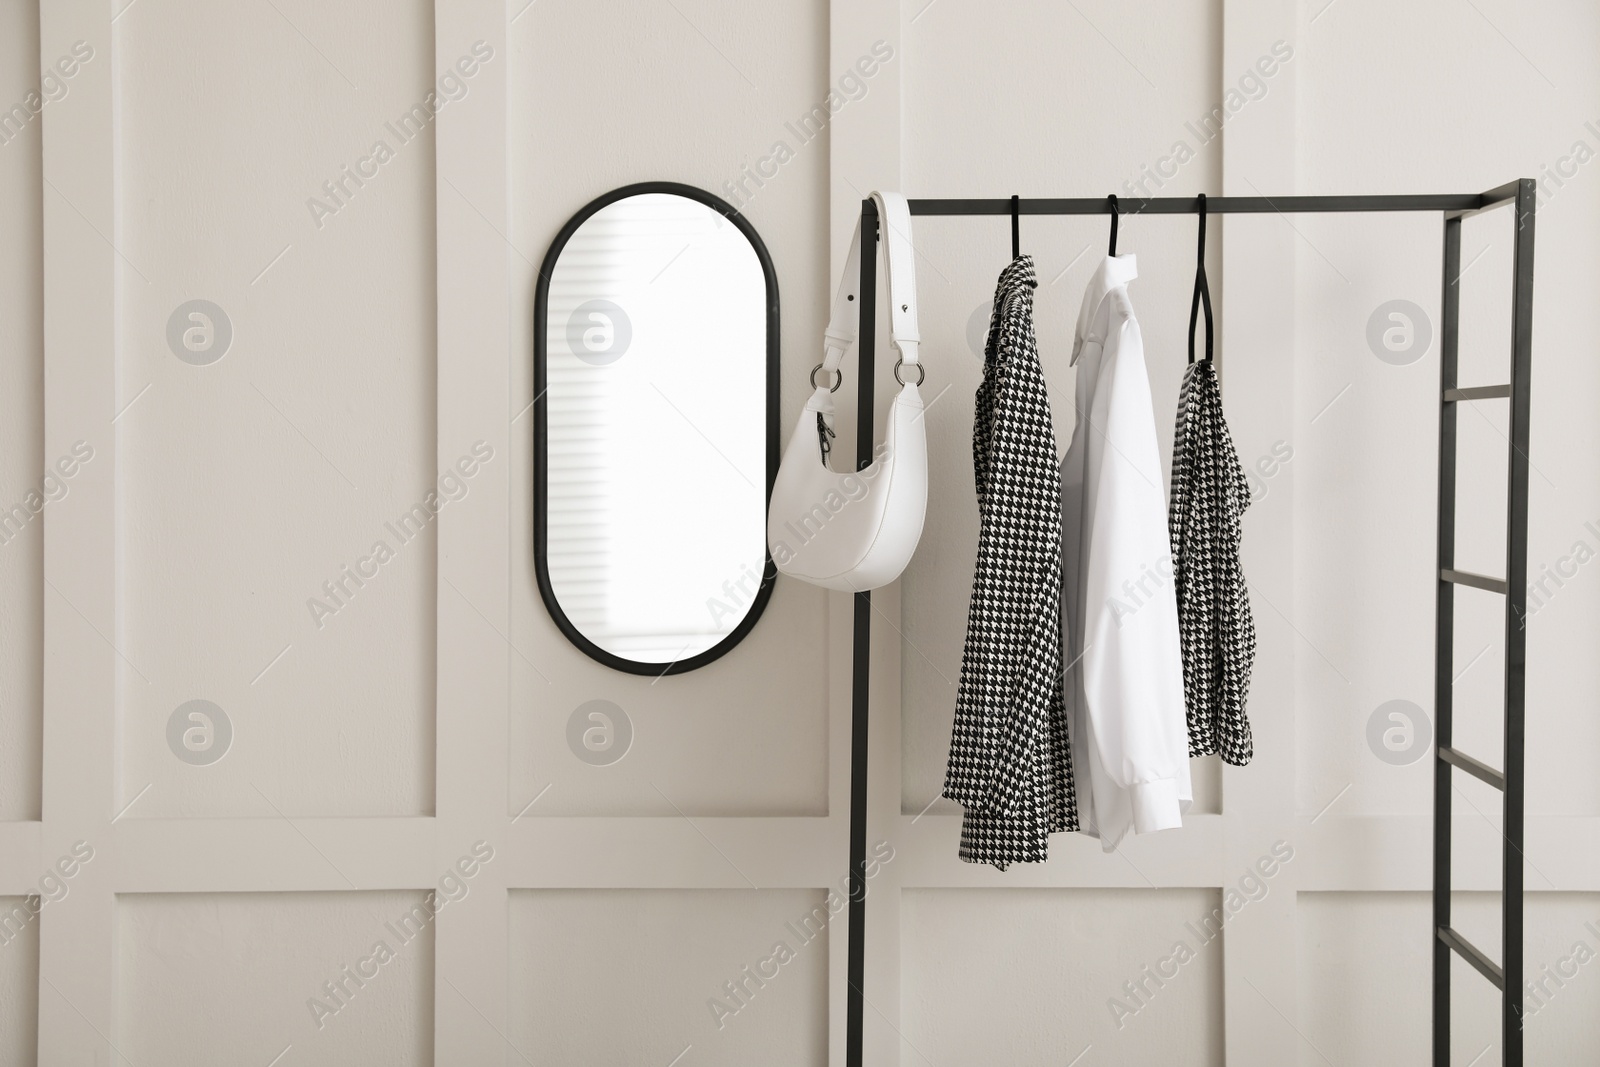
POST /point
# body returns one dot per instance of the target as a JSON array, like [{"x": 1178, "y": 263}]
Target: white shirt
[{"x": 1124, "y": 674}]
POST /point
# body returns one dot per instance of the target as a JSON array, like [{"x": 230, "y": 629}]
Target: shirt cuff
[{"x": 1155, "y": 806}]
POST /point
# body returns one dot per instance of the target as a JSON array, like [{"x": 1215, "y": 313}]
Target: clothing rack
[{"x": 1520, "y": 194}]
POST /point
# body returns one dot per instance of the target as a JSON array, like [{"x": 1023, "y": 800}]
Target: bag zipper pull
[{"x": 824, "y": 431}]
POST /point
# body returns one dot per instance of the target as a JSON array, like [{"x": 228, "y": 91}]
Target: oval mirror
[{"x": 655, "y": 440}]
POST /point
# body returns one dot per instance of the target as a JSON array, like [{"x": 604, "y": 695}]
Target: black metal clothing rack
[{"x": 1506, "y": 976}]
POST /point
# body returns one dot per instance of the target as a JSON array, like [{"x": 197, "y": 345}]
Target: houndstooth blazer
[{"x": 1009, "y": 753}]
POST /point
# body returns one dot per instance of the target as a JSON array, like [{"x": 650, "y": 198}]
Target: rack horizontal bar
[
  {"x": 1469, "y": 952},
  {"x": 1496, "y": 197},
  {"x": 1477, "y": 581},
  {"x": 1188, "y": 205},
  {"x": 1477, "y": 392},
  {"x": 1477, "y": 768}
]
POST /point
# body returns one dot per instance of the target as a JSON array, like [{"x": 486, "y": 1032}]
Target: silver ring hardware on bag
[
  {"x": 922, "y": 373},
  {"x": 838, "y": 381}
]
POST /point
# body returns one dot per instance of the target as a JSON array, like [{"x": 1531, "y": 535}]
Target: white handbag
[{"x": 857, "y": 531}]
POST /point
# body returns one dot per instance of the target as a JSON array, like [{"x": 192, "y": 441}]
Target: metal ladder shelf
[{"x": 1507, "y": 975}]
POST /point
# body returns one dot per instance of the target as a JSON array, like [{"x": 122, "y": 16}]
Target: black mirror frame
[{"x": 541, "y": 444}]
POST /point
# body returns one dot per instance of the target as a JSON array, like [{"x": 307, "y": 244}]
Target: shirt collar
[{"x": 1114, "y": 272}]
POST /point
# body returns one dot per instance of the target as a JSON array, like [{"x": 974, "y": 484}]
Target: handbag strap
[{"x": 901, "y": 281}]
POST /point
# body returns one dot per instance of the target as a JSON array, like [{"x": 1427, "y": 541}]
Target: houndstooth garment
[
  {"x": 1010, "y": 762},
  {"x": 1209, "y": 495}
]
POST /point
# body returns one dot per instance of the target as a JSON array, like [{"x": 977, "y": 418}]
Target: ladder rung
[
  {"x": 1477, "y": 581},
  {"x": 1457, "y": 758},
  {"x": 1477, "y": 392},
  {"x": 1469, "y": 952}
]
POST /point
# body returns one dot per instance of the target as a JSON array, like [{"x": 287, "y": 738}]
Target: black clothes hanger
[
  {"x": 1112, "y": 199},
  {"x": 1202, "y": 290},
  {"x": 1016, "y": 226}
]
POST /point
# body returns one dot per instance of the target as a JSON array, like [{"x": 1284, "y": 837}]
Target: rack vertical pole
[
  {"x": 861, "y": 656},
  {"x": 1444, "y": 632},
  {"x": 1516, "y": 623}
]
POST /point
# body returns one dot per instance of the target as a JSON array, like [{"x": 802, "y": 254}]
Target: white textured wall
[
  {"x": 22, "y": 463},
  {"x": 244, "y": 977},
  {"x": 19, "y": 987},
  {"x": 1067, "y": 958},
  {"x": 249, "y": 482},
  {"x": 628, "y": 976}
]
